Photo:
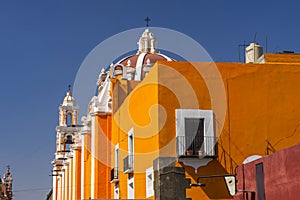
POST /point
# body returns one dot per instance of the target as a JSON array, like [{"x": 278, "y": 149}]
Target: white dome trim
[{"x": 138, "y": 67}]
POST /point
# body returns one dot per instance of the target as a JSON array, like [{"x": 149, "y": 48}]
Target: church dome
[
  {"x": 69, "y": 100},
  {"x": 136, "y": 67}
]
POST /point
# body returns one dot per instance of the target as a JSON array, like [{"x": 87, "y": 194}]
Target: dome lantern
[{"x": 147, "y": 42}]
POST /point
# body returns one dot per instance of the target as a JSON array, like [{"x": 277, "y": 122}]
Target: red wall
[{"x": 281, "y": 176}]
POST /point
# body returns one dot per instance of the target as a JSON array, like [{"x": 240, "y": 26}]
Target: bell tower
[
  {"x": 68, "y": 141},
  {"x": 67, "y": 129},
  {"x": 7, "y": 181}
]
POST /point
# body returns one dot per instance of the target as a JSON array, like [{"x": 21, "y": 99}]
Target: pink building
[{"x": 274, "y": 177}]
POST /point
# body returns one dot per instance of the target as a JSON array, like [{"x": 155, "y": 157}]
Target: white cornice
[
  {"x": 68, "y": 129},
  {"x": 85, "y": 130}
]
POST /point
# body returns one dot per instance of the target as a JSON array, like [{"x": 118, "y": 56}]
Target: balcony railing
[
  {"x": 114, "y": 175},
  {"x": 128, "y": 164},
  {"x": 188, "y": 146}
]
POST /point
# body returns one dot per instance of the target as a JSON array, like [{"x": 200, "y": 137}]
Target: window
[
  {"x": 69, "y": 119},
  {"x": 149, "y": 182},
  {"x": 128, "y": 161},
  {"x": 116, "y": 192},
  {"x": 195, "y": 133},
  {"x": 130, "y": 142},
  {"x": 130, "y": 188},
  {"x": 120, "y": 69},
  {"x": 117, "y": 161},
  {"x": 114, "y": 173}
]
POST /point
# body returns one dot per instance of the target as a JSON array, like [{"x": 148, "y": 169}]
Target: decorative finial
[
  {"x": 8, "y": 167},
  {"x": 69, "y": 86},
  {"x": 128, "y": 63},
  {"x": 147, "y": 21}
]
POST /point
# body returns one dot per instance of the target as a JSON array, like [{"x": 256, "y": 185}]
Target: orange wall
[
  {"x": 76, "y": 187},
  {"x": 87, "y": 166},
  {"x": 262, "y": 112},
  {"x": 102, "y": 156},
  {"x": 145, "y": 133}
]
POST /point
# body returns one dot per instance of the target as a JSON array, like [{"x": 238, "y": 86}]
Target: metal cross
[
  {"x": 69, "y": 86},
  {"x": 147, "y": 21}
]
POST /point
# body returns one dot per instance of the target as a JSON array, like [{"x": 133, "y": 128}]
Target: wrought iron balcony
[
  {"x": 198, "y": 147},
  {"x": 128, "y": 164},
  {"x": 114, "y": 176}
]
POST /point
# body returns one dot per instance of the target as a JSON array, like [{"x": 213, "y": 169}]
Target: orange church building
[{"x": 164, "y": 129}]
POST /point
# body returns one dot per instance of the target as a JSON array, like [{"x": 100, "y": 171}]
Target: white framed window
[
  {"x": 131, "y": 141},
  {"x": 149, "y": 182},
  {"x": 129, "y": 160},
  {"x": 130, "y": 188},
  {"x": 116, "y": 191},
  {"x": 116, "y": 169},
  {"x": 195, "y": 132}
]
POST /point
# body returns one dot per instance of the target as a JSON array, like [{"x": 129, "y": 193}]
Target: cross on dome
[{"x": 147, "y": 21}]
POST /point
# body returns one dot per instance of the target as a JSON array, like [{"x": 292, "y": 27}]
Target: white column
[
  {"x": 58, "y": 188},
  {"x": 66, "y": 182},
  {"x": 54, "y": 192}
]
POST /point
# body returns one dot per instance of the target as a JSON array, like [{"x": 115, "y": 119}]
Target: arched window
[
  {"x": 69, "y": 119},
  {"x": 118, "y": 70}
]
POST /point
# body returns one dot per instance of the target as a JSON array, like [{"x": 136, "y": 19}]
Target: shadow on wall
[{"x": 215, "y": 187}]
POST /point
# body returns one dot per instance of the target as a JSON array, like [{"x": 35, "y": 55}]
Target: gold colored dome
[{"x": 69, "y": 100}]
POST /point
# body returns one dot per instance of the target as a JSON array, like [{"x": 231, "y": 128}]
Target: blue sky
[{"x": 43, "y": 43}]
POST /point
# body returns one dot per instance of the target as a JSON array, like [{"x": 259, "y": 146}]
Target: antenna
[
  {"x": 239, "y": 48},
  {"x": 267, "y": 43},
  {"x": 255, "y": 37},
  {"x": 254, "y": 47}
]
